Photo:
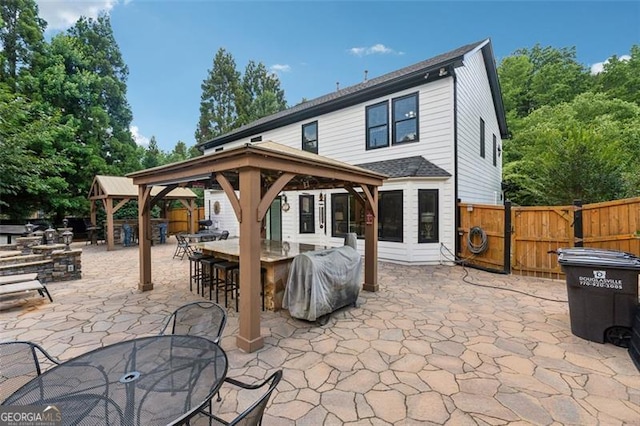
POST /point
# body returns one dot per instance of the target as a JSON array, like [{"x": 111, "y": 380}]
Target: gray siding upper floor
[{"x": 479, "y": 181}]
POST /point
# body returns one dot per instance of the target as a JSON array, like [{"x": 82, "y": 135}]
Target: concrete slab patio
[{"x": 428, "y": 348}]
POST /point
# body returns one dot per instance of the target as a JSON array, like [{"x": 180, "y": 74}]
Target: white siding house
[{"x": 420, "y": 125}]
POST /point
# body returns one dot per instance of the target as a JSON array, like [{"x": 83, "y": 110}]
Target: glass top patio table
[{"x": 154, "y": 380}]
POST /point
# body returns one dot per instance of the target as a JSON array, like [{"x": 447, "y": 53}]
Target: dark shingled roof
[
  {"x": 355, "y": 94},
  {"x": 416, "y": 166}
]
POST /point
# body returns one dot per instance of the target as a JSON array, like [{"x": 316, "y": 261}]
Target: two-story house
[{"x": 434, "y": 128}]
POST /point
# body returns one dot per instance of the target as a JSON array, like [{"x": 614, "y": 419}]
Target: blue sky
[{"x": 169, "y": 45}]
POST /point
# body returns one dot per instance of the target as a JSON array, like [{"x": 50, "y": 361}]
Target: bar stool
[
  {"x": 195, "y": 270},
  {"x": 210, "y": 274},
  {"x": 263, "y": 274},
  {"x": 229, "y": 283}
]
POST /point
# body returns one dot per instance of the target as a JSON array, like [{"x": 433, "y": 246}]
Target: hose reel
[{"x": 474, "y": 233}]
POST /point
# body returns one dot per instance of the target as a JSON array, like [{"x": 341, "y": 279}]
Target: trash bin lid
[
  {"x": 597, "y": 252},
  {"x": 599, "y": 261}
]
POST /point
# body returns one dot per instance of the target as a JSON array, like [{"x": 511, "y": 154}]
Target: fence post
[
  {"x": 577, "y": 223},
  {"x": 507, "y": 237}
]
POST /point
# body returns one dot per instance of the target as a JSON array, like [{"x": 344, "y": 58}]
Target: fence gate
[
  {"x": 536, "y": 232},
  {"x": 483, "y": 223},
  {"x": 520, "y": 239}
]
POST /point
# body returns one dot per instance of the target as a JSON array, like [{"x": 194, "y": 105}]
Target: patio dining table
[{"x": 155, "y": 380}]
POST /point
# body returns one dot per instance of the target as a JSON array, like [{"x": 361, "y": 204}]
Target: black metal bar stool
[
  {"x": 230, "y": 279},
  {"x": 210, "y": 274},
  {"x": 195, "y": 270},
  {"x": 263, "y": 274}
]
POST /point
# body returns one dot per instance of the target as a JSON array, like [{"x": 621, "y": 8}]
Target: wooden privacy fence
[
  {"x": 179, "y": 219},
  {"x": 520, "y": 239}
]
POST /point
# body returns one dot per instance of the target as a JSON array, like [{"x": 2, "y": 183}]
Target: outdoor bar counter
[{"x": 275, "y": 257}]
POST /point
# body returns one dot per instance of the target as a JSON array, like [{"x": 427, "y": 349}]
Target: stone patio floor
[{"x": 428, "y": 348}]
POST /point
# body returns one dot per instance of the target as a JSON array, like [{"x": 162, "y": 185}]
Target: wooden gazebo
[
  {"x": 260, "y": 171},
  {"x": 119, "y": 190}
]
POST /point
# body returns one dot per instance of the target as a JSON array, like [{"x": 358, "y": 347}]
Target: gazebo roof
[
  {"x": 273, "y": 159},
  {"x": 120, "y": 187}
]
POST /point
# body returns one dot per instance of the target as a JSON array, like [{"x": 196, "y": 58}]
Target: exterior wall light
[
  {"x": 67, "y": 237},
  {"x": 49, "y": 235},
  {"x": 29, "y": 227}
]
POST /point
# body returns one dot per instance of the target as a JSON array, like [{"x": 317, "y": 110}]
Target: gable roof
[
  {"x": 120, "y": 187},
  {"x": 394, "y": 81},
  {"x": 416, "y": 166}
]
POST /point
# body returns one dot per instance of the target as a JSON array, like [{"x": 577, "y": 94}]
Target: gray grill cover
[{"x": 322, "y": 281}]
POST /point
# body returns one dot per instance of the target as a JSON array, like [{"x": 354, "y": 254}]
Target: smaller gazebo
[{"x": 119, "y": 189}]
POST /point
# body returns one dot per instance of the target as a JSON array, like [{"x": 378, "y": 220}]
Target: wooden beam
[
  {"x": 249, "y": 338},
  {"x": 120, "y": 204},
  {"x": 271, "y": 194},
  {"x": 110, "y": 230},
  {"x": 160, "y": 195},
  {"x": 371, "y": 245},
  {"x": 231, "y": 195},
  {"x": 144, "y": 243}
]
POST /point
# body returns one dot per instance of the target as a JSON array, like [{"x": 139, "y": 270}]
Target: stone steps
[{"x": 21, "y": 258}]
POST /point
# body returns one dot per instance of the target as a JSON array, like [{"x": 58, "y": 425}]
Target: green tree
[
  {"x": 83, "y": 75},
  {"x": 31, "y": 164},
  {"x": 532, "y": 78},
  {"x": 21, "y": 38},
  {"x": 261, "y": 94},
  {"x": 586, "y": 149},
  {"x": 218, "y": 102},
  {"x": 621, "y": 78},
  {"x": 153, "y": 156},
  {"x": 179, "y": 153},
  {"x": 230, "y": 100}
]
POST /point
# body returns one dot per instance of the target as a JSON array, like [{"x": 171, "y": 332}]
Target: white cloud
[
  {"x": 139, "y": 138},
  {"x": 376, "y": 49},
  {"x": 61, "y": 14},
  {"x": 276, "y": 68},
  {"x": 598, "y": 67}
]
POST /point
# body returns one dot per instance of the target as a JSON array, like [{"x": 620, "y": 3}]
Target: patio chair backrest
[
  {"x": 253, "y": 414},
  {"x": 224, "y": 235},
  {"x": 204, "y": 319},
  {"x": 20, "y": 362}
]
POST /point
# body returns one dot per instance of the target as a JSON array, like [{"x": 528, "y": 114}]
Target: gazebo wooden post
[
  {"x": 144, "y": 240},
  {"x": 110, "y": 230},
  {"x": 192, "y": 217},
  {"x": 371, "y": 244},
  {"x": 249, "y": 338}
]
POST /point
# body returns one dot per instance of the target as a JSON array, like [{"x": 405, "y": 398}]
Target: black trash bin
[{"x": 602, "y": 288}]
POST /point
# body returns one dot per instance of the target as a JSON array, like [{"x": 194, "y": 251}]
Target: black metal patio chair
[
  {"x": 204, "y": 319},
  {"x": 252, "y": 415},
  {"x": 183, "y": 247},
  {"x": 21, "y": 361}
]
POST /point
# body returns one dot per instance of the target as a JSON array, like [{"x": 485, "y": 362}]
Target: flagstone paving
[{"x": 428, "y": 348}]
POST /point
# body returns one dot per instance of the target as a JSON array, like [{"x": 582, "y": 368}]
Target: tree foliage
[
  {"x": 230, "y": 100},
  {"x": 21, "y": 38}
]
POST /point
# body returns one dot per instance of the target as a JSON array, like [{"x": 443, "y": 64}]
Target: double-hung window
[
  {"x": 405, "y": 119},
  {"x": 310, "y": 137},
  {"x": 390, "y": 209},
  {"x": 378, "y": 125},
  {"x": 428, "y": 216},
  {"x": 307, "y": 215},
  {"x": 482, "y": 148},
  {"x": 495, "y": 151}
]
